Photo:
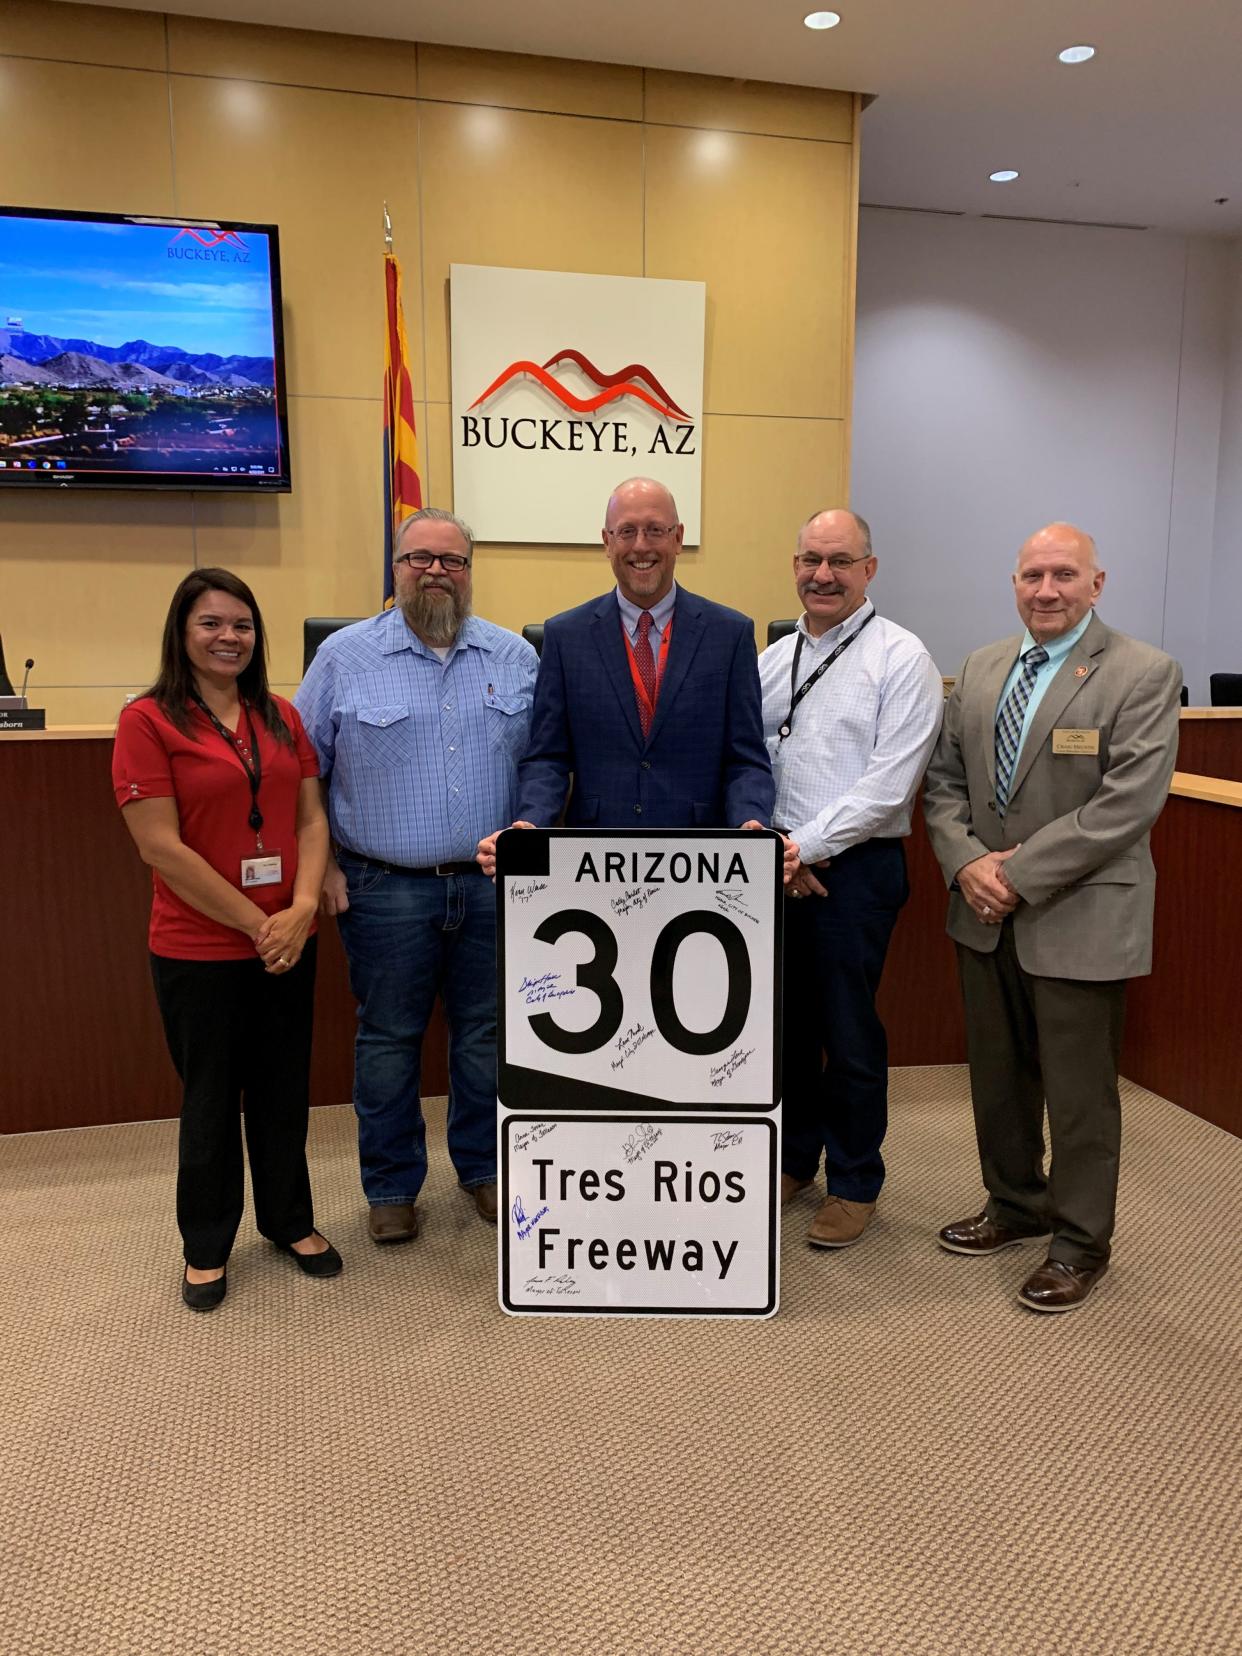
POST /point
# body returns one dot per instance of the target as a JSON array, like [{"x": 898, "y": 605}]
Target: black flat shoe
[
  {"x": 203, "y": 1296},
  {"x": 326, "y": 1264}
]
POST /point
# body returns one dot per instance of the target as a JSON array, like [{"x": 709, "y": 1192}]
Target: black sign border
[
  {"x": 681, "y": 1120},
  {"x": 527, "y": 852}
]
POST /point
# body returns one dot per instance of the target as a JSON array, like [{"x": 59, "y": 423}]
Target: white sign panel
[
  {"x": 639, "y": 970},
  {"x": 563, "y": 386},
  {"x": 638, "y": 1072},
  {"x": 669, "y": 1214}
]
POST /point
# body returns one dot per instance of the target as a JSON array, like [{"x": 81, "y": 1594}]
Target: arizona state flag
[{"x": 403, "y": 490}]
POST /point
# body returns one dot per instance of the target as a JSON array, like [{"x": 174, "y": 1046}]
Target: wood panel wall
[{"x": 482, "y": 158}]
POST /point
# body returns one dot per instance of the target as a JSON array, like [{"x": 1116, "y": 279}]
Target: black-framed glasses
[
  {"x": 451, "y": 562},
  {"x": 839, "y": 564}
]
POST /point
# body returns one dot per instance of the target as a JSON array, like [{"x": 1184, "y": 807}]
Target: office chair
[
  {"x": 316, "y": 628},
  {"x": 1226, "y": 689},
  {"x": 532, "y": 632},
  {"x": 6, "y": 683},
  {"x": 780, "y": 629},
  {"x": 1185, "y": 696}
]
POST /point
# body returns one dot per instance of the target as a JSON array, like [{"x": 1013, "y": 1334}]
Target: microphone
[{"x": 26, "y": 678}]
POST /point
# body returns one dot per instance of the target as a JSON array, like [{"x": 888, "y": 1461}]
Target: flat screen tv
[{"x": 140, "y": 353}]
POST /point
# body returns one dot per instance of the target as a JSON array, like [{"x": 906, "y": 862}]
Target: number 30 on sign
[{"x": 638, "y": 969}]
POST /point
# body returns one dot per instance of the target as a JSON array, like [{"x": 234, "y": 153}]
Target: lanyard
[
  {"x": 639, "y": 686},
  {"x": 254, "y": 771},
  {"x": 797, "y": 694}
]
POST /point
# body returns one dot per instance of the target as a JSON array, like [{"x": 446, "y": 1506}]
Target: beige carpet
[{"x": 902, "y": 1461}]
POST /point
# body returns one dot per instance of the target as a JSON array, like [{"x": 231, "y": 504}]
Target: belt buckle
[{"x": 443, "y": 870}]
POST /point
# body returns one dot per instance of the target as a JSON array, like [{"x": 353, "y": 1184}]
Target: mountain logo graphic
[
  {"x": 209, "y": 238},
  {"x": 632, "y": 381}
]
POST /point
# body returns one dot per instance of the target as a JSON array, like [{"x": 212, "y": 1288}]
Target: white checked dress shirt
[{"x": 861, "y": 737}]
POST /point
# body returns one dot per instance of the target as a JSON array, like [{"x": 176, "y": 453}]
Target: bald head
[
  {"x": 1057, "y": 580},
  {"x": 642, "y": 538}
]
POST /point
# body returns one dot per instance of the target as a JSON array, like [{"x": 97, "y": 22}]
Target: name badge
[
  {"x": 260, "y": 871},
  {"x": 1076, "y": 741}
]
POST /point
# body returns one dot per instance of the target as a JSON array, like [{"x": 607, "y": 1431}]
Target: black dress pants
[{"x": 239, "y": 1036}]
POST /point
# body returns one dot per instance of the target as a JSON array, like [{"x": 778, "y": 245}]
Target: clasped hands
[
  {"x": 280, "y": 939},
  {"x": 986, "y": 887}
]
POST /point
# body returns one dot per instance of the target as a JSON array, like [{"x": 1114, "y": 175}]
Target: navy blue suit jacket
[{"x": 704, "y": 763}]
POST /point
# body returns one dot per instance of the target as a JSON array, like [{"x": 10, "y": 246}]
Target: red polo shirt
[{"x": 152, "y": 759}]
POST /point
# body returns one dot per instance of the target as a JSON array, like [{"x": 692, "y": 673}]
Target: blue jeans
[{"x": 406, "y": 937}]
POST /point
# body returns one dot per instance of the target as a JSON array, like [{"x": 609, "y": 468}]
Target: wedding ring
[
  {"x": 282, "y": 961},
  {"x": 986, "y": 909}
]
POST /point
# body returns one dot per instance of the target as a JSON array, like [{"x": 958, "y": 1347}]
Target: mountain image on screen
[
  {"x": 140, "y": 352},
  {"x": 39, "y": 359}
]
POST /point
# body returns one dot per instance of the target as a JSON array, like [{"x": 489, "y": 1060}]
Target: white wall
[
  {"x": 1009, "y": 374},
  {"x": 1225, "y": 617}
]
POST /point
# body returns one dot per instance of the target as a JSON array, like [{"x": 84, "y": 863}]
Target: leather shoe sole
[
  {"x": 981, "y": 1235},
  {"x": 392, "y": 1222},
  {"x": 485, "y": 1199},
  {"x": 1056, "y": 1286},
  {"x": 203, "y": 1296},
  {"x": 326, "y": 1264}
]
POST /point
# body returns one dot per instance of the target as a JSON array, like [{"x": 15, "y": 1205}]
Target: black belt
[{"x": 443, "y": 869}]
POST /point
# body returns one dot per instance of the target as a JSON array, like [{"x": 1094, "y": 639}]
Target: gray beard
[{"x": 436, "y": 615}]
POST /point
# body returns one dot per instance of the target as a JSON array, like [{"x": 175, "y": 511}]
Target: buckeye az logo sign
[{"x": 563, "y": 385}]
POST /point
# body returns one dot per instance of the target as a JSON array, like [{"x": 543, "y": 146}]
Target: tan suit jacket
[{"x": 1082, "y": 820}]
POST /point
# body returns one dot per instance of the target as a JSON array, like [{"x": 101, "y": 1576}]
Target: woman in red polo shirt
[{"x": 219, "y": 788}]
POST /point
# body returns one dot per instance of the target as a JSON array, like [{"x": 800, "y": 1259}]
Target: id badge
[{"x": 260, "y": 871}]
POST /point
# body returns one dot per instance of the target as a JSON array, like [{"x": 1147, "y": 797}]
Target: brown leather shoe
[
  {"x": 791, "y": 1187},
  {"x": 1056, "y": 1286},
  {"x": 982, "y": 1235},
  {"x": 392, "y": 1222},
  {"x": 839, "y": 1222},
  {"x": 485, "y": 1200}
]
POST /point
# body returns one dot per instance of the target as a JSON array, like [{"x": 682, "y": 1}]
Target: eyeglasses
[
  {"x": 451, "y": 562},
  {"x": 628, "y": 533},
  {"x": 839, "y": 564}
]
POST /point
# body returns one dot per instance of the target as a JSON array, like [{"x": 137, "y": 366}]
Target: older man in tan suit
[{"x": 1055, "y": 758}]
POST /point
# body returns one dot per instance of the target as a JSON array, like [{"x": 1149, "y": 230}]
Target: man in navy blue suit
[{"x": 647, "y": 697}]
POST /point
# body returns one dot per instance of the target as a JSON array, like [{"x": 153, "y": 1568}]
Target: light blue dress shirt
[
  {"x": 1057, "y": 652},
  {"x": 420, "y": 756},
  {"x": 659, "y": 616}
]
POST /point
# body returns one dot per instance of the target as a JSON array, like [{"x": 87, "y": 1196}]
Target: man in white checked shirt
[
  {"x": 1055, "y": 758},
  {"x": 851, "y": 706},
  {"x": 419, "y": 716}
]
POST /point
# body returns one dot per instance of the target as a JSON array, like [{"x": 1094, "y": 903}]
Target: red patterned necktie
[{"x": 644, "y": 660}]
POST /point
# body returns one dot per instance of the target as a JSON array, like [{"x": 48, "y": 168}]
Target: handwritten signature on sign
[
  {"x": 725, "y": 1141},
  {"x": 521, "y": 1223},
  {"x": 524, "y": 893},
  {"x": 522, "y": 1139},
  {"x": 563, "y": 1284},
  {"x": 634, "y": 897},
  {"x": 735, "y": 905},
  {"x": 640, "y": 1141},
  {"x": 628, "y": 1043},
  {"x": 720, "y": 1073},
  {"x": 546, "y": 988}
]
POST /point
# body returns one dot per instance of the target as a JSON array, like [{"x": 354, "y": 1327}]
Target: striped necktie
[
  {"x": 1009, "y": 723},
  {"x": 644, "y": 660}
]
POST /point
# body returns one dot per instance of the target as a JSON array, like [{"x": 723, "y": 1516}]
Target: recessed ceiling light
[
  {"x": 822, "y": 20},
  {"x": 1005, "y": 176},
  {"x": 1077, "y": 54}
]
